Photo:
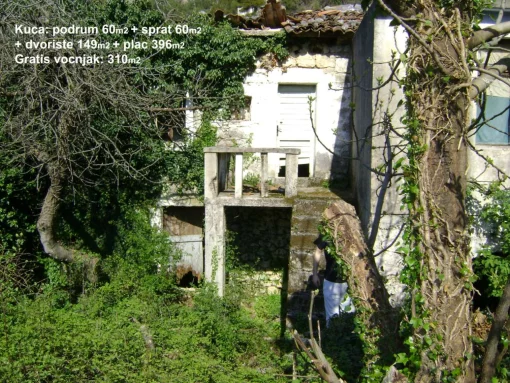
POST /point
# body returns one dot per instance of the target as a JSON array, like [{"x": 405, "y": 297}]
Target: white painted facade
[
  {"x": 375, "y": 45},
  {"x": 273, "y": 122}
]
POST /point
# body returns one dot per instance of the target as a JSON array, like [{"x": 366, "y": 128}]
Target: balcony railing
[{"x": 217, "y": 161}]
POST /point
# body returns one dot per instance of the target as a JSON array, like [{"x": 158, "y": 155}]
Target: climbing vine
[{"x": 437, "y": 266}]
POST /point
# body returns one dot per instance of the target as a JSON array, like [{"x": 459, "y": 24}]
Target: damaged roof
[
  {"x": 337, "y": 20},
  {"x": 331, "y": 19}
]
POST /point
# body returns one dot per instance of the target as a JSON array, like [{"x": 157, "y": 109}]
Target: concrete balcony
[
  {"x": 307, "y": 208},
  {"x": 217, "y": 170}
]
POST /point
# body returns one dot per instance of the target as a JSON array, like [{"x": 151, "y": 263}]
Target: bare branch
[
  {"x": 487, "y": 34},
  {"x": 487, "y": 160},
  {"x": 494, "y": 72},
  {"x": 412, "y": 32}
]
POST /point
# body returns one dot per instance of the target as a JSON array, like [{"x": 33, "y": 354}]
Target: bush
[{"x": 100, "y": 339}]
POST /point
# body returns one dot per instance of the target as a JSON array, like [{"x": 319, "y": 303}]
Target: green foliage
[
  {"x": 210, "y": 339},
  {"x": 210, "y": 70},
  {"x": 496, "y": 214},
  {"x": 343, "y": 346},
  {"x": 341, "y": 267},
  {"x": 19, "y": 240},
  {"x": 186, "y": 166},
  {"x": 251, "y": 179},
  {"x": 232, "y": 256},
  {"x": 495, "y": 269},
  {"x": 492, "y": 219},
  {"x": 18, "y": 206},
  {"x": 214, "y": 63},
  {"x": 15, "y": 280},
  {"x": 415, "y": 325},
  {"x": 99, "y": 336}
]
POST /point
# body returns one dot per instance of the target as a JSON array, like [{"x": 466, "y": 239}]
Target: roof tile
[{"x": 341, "y": 19}]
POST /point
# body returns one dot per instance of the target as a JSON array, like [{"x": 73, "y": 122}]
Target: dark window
[
  {"x": 303, "y": 170},
  {"x": 180, "y": 221}
]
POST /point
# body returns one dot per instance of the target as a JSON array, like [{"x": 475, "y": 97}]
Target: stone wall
[
  {"x": 260, "y": 235},
  {"x": 257, "y": 249}
]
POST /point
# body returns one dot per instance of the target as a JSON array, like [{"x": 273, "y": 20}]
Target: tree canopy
[{"x": 78, "y": 128}]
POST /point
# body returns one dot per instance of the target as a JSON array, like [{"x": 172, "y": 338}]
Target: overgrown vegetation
[
  {"x": 492, "y": 222},
  {"x": 489, "y": 207},
  {"x": 103, "y": 156},
  {"x": 106, "y": 162},
  {"x": 138, "y": 327}
]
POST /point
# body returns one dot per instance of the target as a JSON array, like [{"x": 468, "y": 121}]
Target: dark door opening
[
  {"x": 257, "y": 249},
  {"x": 303, "y": 171}
]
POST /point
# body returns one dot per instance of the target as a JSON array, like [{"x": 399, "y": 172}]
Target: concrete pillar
[
  {"x": 215, "y": 226},
  {"x": 211, "y": 175},
  {"x": 263, "y": 175},
  {"x": 291, "y": 173},
  {"x": 239, "y": 175}
]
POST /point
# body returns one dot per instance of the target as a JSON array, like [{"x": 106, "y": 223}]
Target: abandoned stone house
[{"x": 311, "y": 133}]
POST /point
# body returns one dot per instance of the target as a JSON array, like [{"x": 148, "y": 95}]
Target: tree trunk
[
  {"x": 46, "y": 225},
  {"x": 490, "y": 358},
  {"x": 366, "y": 286},
  {"x": 438, "y": 112},
  {"x": 48, "y": 217}
]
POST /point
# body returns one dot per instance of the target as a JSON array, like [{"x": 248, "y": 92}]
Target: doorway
[{"x": 294, "y": 126}]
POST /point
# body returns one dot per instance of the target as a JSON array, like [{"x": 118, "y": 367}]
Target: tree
[
  {"x": 88, "y": 128},
  {"x": 439, "y": 89},
  {"x": 74, "y": 123}
]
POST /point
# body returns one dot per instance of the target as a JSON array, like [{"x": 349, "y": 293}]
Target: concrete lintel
[
  {"x": 190, "y": 200},
  {"x": 231, "y": 149},
  {"x": 253, "y": 202}
]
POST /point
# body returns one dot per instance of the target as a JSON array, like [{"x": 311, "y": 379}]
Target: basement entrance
[
  {"x": 258, "y": 242},
  {"x": 257, "y": 251},
  {"x": 185, "y": 226}
]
